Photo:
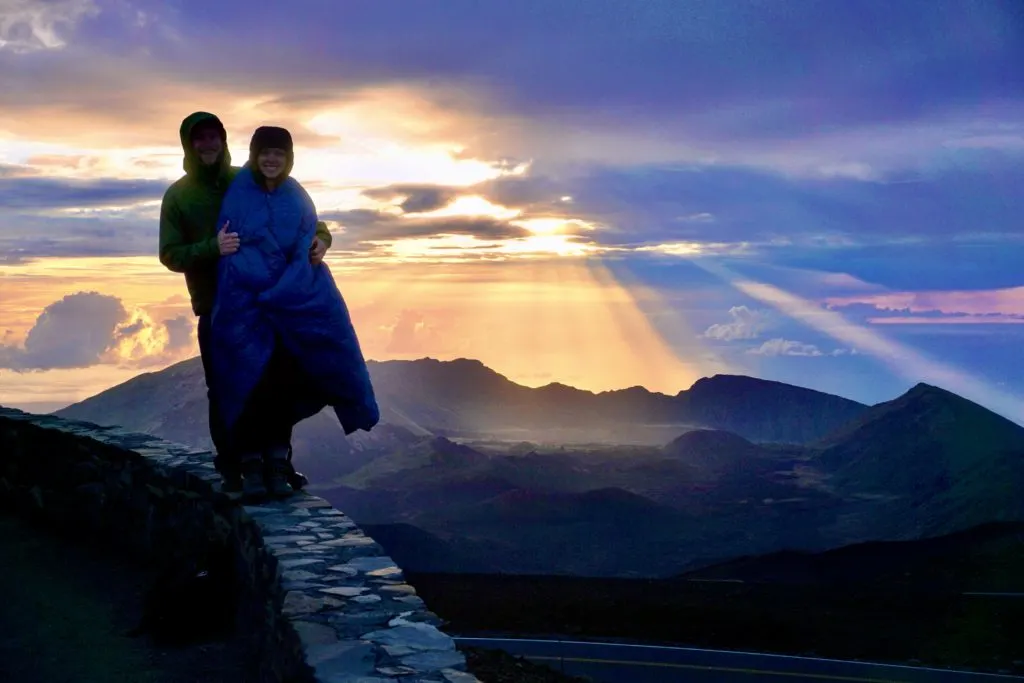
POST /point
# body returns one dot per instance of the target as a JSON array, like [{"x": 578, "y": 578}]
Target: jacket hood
[{"x": 192, "y": 164}]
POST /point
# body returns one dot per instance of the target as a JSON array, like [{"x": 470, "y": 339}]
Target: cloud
[
  {"x": 17, "y": 171},
  {"x": 179, "y": 332},
  {"x": 361, "y": 226},
  {"x": 750, "y": 153},
  {"x": 411, "y": 334},
  {"x": 51, "y": 193},
  {"x": 648, "y": 205},
  {"x": 786, "y": 347},
  {"x": 703, "y": 217},
  {"x": 28, "y": 236},
  {"x": 939, "y": 319},
  {"x": 650, "y": 209},
  {"x": 966, "y": 305},
  {"x": 746, "y": 52},
  {"x": 88, "y": 328},
  {"x": 74, "y": 332},
  {"x": 746, "y": 324},
  {"x": 29, "y": 25},
  {"x": 747, "y": 98},
  {"x": 415, "y": 198}
]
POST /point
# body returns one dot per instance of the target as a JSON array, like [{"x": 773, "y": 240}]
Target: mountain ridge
[
  {"x": 465, "y": 398},
  {"x": 479, "y": 471}
]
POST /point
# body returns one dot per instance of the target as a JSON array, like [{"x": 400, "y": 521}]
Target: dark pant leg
[
  {"x": 280, "y": 379},
  {"x": 266, "y": 421},
  {"x": 255, "y": 425},
  {"x": 224, "y": 460}
]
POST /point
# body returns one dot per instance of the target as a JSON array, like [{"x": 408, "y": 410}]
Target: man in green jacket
[{"x": 191, "y": 243}]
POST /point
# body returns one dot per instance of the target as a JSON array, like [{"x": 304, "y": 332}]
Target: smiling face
[
  {"x": 271, "y": 162},
  {"x": 208, "y": 144}
]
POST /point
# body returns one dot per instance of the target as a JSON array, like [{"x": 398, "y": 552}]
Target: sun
[{"x": 554, "y": 226}]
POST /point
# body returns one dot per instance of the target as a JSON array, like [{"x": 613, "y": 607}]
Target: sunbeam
[{"x": 906, "y": 362}]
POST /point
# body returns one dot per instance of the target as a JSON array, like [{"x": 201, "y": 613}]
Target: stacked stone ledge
[{"x": 319, "y": 601}]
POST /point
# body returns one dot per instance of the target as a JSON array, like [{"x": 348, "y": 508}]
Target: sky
[{"x": 599, "y": 193}]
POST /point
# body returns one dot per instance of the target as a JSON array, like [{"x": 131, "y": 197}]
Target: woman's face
[{"x": 271, "y": 162}]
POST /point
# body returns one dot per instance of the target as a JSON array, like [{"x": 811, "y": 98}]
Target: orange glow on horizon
[{"x": 535, "y": 322}]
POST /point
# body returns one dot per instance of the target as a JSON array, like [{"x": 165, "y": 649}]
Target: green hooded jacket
[{"x": 188, "y": 218}]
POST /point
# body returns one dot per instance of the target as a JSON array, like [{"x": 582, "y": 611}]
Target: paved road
[{"x": 620, "y": 663}]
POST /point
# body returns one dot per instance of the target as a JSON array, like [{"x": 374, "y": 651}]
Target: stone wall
[{"x": 318, "y": 600}]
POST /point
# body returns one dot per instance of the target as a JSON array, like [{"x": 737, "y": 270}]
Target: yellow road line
[{"x": 761, "y": 672}]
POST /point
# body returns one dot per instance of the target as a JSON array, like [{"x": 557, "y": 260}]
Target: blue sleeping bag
[{"x": 268, "y": 293}]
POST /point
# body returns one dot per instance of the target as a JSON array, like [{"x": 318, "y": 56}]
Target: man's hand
[
  {"x": 227, "y": 241},
  {"x": 317, "y": 251}
]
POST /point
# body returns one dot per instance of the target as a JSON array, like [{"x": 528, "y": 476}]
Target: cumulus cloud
[
  {"x": 745, "y": 324},
  {"x": 74, "y": 332},
  {"x": 179, "y": 332},
  {"x": 88, "y": 328},
  {"x": 787, "y": 347}
]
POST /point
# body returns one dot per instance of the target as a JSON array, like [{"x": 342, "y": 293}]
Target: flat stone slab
[{"x": 414, "y": 636}]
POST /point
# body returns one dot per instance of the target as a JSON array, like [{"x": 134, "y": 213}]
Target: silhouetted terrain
[
  {"x": 944, "y": 462},
  {"x": 987, "y": 558},
  {"x": 916, "y": 601},
  {"x": 465, "y": 399},
  {"x": 464, "y": 471}
]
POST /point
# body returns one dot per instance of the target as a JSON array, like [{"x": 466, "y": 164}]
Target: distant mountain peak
[
  {"x": 466, "y": 364},
  {"x": 923, "y": 390},
  {"x": 734, "y": 383},
  {"x": 559, "y": 387},
  {"x": 722, "y": 378},
  {"x": 924, "y": 396},
  {"x": 708, "y": 438},
  {"x": 469, "y": 363}
]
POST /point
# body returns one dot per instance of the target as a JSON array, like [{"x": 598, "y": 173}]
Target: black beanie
[{"x": 267, "y": 137}]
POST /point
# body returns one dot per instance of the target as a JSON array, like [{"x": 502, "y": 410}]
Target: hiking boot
[
  {"x": 278, "y": 469},
  {"x": 231, "y": 483},
  {"x": 297, "y": 479},
  {"x": 253, "y": 484},
  {"x": 231, "y": 476}
]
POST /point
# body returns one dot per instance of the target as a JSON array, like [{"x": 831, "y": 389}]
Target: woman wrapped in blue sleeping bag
[{"x": 282, "y": 342}]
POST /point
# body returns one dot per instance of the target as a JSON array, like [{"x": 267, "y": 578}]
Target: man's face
[
  {"x": 271, "y": 162},
  {"x": 207, "y": 144}
]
